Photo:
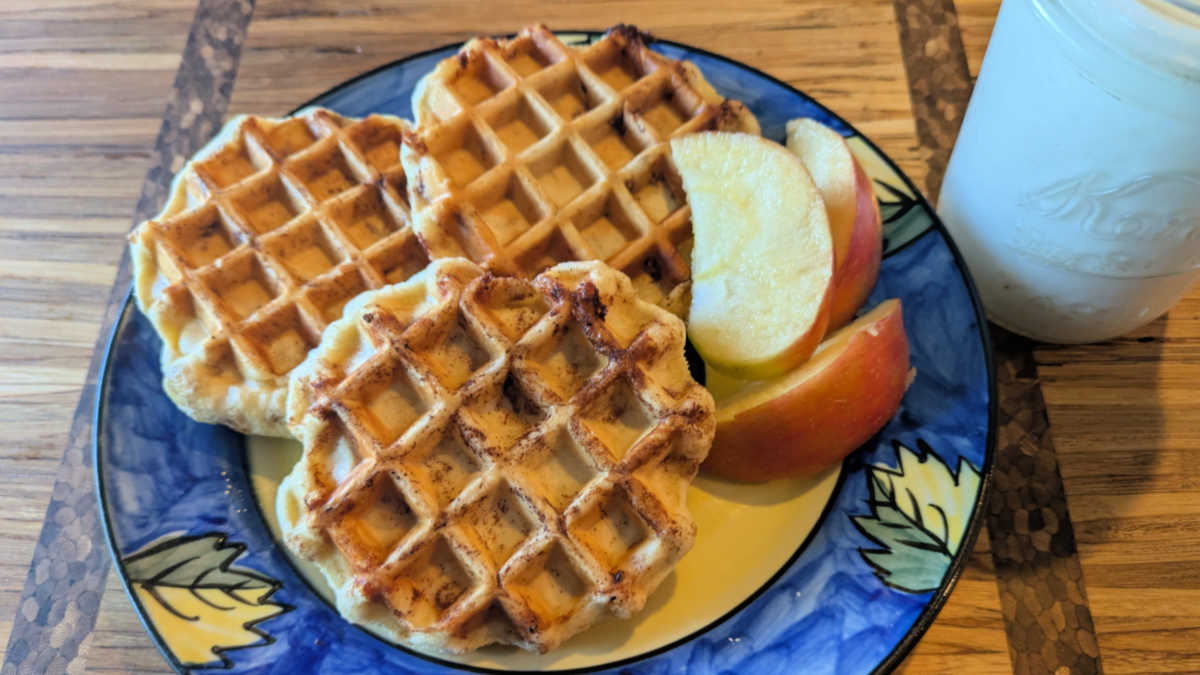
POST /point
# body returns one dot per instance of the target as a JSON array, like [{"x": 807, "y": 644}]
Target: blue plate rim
[
  {"x": 98, "y": 481},
  {"x": 919, "y": 626}
]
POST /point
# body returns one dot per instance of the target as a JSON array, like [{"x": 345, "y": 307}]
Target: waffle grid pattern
[
  {"x": 493, "y": 460},
  {"x": 531, "y": 153},
  {"x": 268, "y": 233}
]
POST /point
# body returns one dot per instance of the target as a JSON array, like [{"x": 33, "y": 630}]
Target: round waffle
[
  {"x": 267, "y": 232},
  {"x": 530, "y": 153},
  {"x": 495, "y": 460}
]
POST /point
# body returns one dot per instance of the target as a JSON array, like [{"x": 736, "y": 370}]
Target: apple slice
[
  {"x": 853, "y": 213},
  {"x": 831, "y": 165},
  {"x": 814, "y": 416},
  {"x": 762, "y": 258}
]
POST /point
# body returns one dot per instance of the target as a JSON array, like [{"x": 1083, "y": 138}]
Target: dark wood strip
[
  {"x": 1042, "y": 592},
  {"x": 71, "y": 559},
  {"x": 938, "y": 79},
  {"x": 1038, "y": 574}
]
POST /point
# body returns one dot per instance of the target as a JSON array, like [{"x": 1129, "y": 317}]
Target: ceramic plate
[{"x": 841, "y": 573}]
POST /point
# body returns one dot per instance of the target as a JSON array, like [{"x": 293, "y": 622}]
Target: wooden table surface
[{"x": 85, "y": 86}]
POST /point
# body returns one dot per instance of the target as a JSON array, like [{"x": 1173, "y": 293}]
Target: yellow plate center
[{"x": 746, "y": 533}]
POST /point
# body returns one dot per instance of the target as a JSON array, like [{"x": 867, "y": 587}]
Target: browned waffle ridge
[
  {"x": 530, "y": 153},
  {"x": 268, "y": 231},
  {"x": 493, "y": 460}
]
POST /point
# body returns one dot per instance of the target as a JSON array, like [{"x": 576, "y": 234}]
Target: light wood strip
[{"x": 76, "y": 129}]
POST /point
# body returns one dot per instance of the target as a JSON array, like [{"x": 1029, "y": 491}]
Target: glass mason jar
[{"x": 1074, "y": 188}]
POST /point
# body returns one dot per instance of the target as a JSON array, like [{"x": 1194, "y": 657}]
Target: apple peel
[
  {"x": 812, "y": 417},
  {"x": 854, "y": 219}
]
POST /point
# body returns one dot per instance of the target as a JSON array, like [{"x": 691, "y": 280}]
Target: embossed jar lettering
[{"x": 1074, "y": 188}]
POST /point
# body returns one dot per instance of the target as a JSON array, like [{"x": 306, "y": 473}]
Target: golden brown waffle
[
  {"x": 531, "y": 153},
  {"x": 493, "y": 460},
  {"x": 268, "y": 231}
]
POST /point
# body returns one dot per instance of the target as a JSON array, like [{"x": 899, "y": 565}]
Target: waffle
[
  {"x": 493, "y": 460},
  {"x": 268, "y": 231},
  {"x": 530, "y": 153}
]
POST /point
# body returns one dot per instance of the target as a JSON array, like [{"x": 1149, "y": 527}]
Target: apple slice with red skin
[
  {"x": 855, "y": 279},
  {"x": 854, "y": 219},
  {"x": 815, "y": 415}
]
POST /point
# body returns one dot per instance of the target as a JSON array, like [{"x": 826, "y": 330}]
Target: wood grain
[
  {"x": 1129, "y": 471},
  {"x": 843, "y": 53},
  {"x": 82, "y": 90},
  {"x": 83, "y": 85}
]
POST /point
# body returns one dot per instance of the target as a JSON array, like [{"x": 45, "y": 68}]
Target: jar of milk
[{"x": 1074, "y": 188}]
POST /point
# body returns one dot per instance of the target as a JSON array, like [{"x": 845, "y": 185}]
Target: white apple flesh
[{"x": 762, "y": 259}]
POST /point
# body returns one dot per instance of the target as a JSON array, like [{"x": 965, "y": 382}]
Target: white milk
[{"x": 1074, "y": 188}]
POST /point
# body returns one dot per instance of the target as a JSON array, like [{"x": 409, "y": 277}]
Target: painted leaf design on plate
[
  {"x": 902, "y": 215},
  {"x": 919, "y": 514},
  {"x": 198, "y": 603},
  {"x": 904, "y": 218}
]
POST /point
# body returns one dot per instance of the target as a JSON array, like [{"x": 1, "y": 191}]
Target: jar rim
[{"x": 1162, "y": 34}]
